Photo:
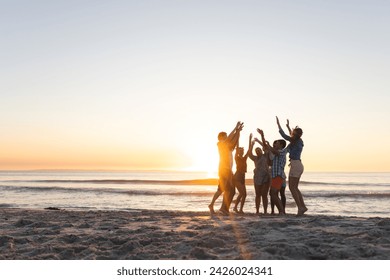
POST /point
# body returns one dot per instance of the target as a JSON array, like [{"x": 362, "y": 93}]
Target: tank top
[{"x": 241, "y": 164}]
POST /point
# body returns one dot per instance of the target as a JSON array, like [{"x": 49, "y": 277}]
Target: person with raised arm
[
  {"x": 278, "y": 157},
  {"x": 226, "y": 144},
  {"x": 239, "y": 177},
  {"x": 261, "y": 174},
  {"x": 296, "y": 167}
]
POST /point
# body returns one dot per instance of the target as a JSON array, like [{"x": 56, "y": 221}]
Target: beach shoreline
[{"x": 156, "y": 235}]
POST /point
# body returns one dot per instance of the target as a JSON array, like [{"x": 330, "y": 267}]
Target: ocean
[{"x": 341, "y": 194}]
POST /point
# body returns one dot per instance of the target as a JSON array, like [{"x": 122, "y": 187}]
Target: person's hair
[
  {"x": 282, "y": 142},
  {"x": 221, "y": 135},
  {"x": 298, "y": 131}
]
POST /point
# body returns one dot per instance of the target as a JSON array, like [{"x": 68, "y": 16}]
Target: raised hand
[
  {"x": 239, "y": 126},
  {"x": 260, "y": 131},
  {"x": 277, "y": 122},
  {"x": 250, "y": 141},
  {"x": 288, "y": 126}
]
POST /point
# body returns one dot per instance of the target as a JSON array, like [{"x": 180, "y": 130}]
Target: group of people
[{"x": 269, "y": 176}]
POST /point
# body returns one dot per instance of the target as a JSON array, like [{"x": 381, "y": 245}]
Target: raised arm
[
  {"x": 231, "y": 134},
  {"x": 269, "y": 147},
  {"x": 250, "y": 148},
  {"x": 288, "y": 127},
  {"x": 281, "y": 132},
  {"x": 278, "y": 123},
  {"x": 261, "y": 143},
  {"x": 235, "y": 135},
  {"x": 249, "y": 145},
  {"x": 261, "y": 132},
  {"x": 237, "y": 146}
]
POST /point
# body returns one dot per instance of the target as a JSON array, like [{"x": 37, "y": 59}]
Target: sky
[{"x": 131, "y": 85}]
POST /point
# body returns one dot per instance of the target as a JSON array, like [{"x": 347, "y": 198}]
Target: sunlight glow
[{"x": 204, "y": 159}]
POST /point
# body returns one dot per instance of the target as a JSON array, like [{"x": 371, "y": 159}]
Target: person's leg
[
  {"x": 232, "y": 191},
  {"x": 300, "y": 195},
  {"x": 228, "y": 189},
  {"x": 257, "y": 199},
  {"x": 243, "y": 198},
  {"x": 276, "y": 185},
  {"x": 239, "y": 197},
  {"x": 272, "y": 203},
  {"x": 215, "y": 197},
  {"x": 294, "y": 194},
  {"x": 283, "y": 197},
  {"x": 264, "y": 196},
  {"x": 224, "y": 184},
  {"x": 277, "y": 201},
  {"x": 296, "y": 171},
  {"x": 293, "y": 185},
  {"x": 224, "y": 206},
  {"x": 238, "y": 200}
]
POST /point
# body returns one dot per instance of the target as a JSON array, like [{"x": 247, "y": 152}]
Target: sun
[{"x": 205, "y": 159}]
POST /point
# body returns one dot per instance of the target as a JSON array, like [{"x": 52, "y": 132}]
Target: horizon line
[{"x": 153, "y": 170}]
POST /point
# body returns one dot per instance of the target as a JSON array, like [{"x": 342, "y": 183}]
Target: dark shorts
[
  {"x": 261, "y": 178},
  {"x": 239, "y": 178}
]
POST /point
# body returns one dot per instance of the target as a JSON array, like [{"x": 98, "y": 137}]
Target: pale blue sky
[{"x": 149, "y": 84}]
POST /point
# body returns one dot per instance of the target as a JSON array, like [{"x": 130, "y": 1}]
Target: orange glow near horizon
[
  {"x": 198, "y": 154},
  {"x": 27, "y": 157},
  {"x": 198, "y": 159}
]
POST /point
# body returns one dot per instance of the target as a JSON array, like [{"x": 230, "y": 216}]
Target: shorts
[
  {"x": 261, "y": 178},
  {"x": 277, "y": 182},
  {"x": 225, "y": 180},
  {"x": 296, "y": 168},
  {"x": 239, "y": 178}
]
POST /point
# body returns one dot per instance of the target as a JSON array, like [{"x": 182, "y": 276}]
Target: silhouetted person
[
  {"x": 226, "y": 145},
  {"x": 296, "y": 167}
]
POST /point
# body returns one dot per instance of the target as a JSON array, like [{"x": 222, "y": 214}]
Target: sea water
[{"x": 346, "y": 194}]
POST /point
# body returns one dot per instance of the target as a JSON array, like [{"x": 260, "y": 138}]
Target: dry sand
[{"x": 51, "y": 234}]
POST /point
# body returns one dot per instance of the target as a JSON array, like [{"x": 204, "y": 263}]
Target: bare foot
[
  {"x": 223, "y": 212},
  {"x": 302, "y": 211},
  {"x": 211, "y": 209}
]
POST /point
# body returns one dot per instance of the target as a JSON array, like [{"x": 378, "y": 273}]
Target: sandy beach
[{"x": 114, "y": 235}]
